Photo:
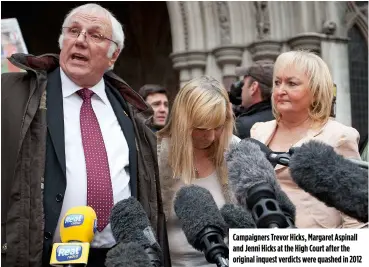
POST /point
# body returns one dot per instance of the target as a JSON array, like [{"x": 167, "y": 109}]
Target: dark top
[{"x": 260, "y": 112}]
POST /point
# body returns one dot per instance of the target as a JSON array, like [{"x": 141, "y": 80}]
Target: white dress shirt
[{"x": 116, "y": 148}]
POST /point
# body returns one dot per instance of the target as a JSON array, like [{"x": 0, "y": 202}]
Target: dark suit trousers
[{"x": 97, "y": 257}]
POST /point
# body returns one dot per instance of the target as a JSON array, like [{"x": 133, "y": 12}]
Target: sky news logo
[
  {"x": 73, "y": 220},
  {"x": 68, "y": 253}
]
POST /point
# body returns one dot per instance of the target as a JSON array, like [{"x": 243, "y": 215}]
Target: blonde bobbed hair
[
  {"x": 202, "y": 103},
  {"x": 320, "y": 82}
]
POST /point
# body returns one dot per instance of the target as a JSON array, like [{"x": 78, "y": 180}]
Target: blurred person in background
[
  {"x": 157, "y": 97},
  {"x": 191, "y": 151},
  {"x": 302, "y": 103},
  {"x": 255, "y": 96}
]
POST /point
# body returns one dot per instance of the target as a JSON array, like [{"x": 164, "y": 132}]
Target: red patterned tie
[{"x": 99, "y": 188}]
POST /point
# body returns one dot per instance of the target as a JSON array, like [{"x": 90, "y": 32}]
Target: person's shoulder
[
  {"x": 243, "y": 123},
  {"x": 13, "y": 76},
  {"x": 244, "y": 117},
  {"x": 162, "y": 145},
  {"x": 14, "y": 83},
  {"x": 264, "y": 124},
  {"x": 343, "y": 138},
  {"x": 340, "y": 130},
  {"x": 262, "y": 127},
  {"x": 164, "y": 141}
]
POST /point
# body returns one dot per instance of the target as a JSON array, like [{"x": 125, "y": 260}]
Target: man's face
[
  {"x": 246, "y": 95},
  {"x": 159, "y": 103},
  {"x": 83, "y": 60}
]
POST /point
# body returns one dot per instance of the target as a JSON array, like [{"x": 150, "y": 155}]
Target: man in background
[
  {"x": 256, "y": 97},
  {"x": 157, "y": 97}
]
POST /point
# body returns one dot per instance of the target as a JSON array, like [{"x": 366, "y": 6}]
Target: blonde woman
[
  {"x": 301, "y": 101},
  {"x": 191, "y": 151}
]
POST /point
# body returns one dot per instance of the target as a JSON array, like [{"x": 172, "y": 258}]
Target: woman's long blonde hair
[
  {"x": 202, "y": 102},
  {"x": 320, "y": 81}
]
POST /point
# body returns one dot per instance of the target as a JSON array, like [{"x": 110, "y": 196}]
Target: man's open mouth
[{"x": 77, "y": 56}]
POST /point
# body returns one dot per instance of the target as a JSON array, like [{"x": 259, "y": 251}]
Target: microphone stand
[
  {"x": 221, "y": 262},
  {"x": 280, "y": 158}
]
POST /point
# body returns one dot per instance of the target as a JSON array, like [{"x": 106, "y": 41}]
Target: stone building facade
[
  {"x": 214, "y": 37},
  {"x": 171, "y": 42}
]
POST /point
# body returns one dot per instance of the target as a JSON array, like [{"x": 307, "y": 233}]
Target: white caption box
[{"x": 299, "y": 247}]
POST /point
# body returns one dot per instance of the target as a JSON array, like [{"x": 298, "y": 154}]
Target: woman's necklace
[
  {"x": 304, "y": 130},
  {"x": 204, "y": 164}
]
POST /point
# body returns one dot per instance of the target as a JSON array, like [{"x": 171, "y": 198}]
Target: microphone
[
  {"x": 77, "y": 231},
  {"x": 253, "y": 182},
  {"x": 202, "y": 223},
  {"x": 331, "y": 178},
  {"x": 283, "y": 158},
  {"x": 273, "y": 157},
  {"x": 127, "y": 254},
  {"x": 237, "y": 217},
  {"x": 129, "y": 223}
]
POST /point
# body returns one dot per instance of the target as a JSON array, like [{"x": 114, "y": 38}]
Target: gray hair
[{"x": 117, "y": 30}]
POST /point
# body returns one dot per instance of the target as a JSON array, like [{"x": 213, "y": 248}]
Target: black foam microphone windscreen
[
  {"x": 127, "y": 255},
  {"x": 196, "y": 209},
  {"x": 247, "y": 168},
  {"x": 237, "y": 217},
  {"x": 129, "y": 223},
  {"x": 266, "y": 150},
  {"x": 331, "y": 178}
]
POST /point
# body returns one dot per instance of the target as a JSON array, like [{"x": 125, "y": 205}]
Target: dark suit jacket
[{"x": 55, "y": 169}]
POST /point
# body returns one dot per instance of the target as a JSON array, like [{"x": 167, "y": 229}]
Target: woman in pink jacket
[{"x": 301, "y": 100}]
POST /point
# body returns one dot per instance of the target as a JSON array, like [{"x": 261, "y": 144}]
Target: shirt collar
[{"x": 69, "y": 87}]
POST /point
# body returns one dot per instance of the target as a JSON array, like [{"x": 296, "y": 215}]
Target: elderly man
[
  {"x": 157, "y": 97},
  {"x": 73, "y": 134}
]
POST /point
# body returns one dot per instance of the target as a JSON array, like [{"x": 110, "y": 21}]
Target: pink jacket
[{"x": 310, "y": 212}]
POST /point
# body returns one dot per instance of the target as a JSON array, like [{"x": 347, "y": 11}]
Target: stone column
[
  {"x": 265, "y": 51},
  {"x": 335, "y": 54},
  {"x": 180, "y": 64},
  {"x": 306, "y": 41},
  {"x": 228, "y": 58},
  {"x": 190, "y": 64},
  {"x": 196, "y": 62}
]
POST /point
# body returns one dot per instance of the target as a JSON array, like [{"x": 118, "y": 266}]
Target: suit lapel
[
  {"x": 55, "y": 118},
  {"x": 118, "y": 104},
  {"x": 268, "y": 133}
]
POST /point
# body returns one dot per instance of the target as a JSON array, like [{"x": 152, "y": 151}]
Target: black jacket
[{"x": 260, "y": 112}]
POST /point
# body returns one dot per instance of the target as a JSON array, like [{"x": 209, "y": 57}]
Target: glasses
[{"x": 73, "y": 32}]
